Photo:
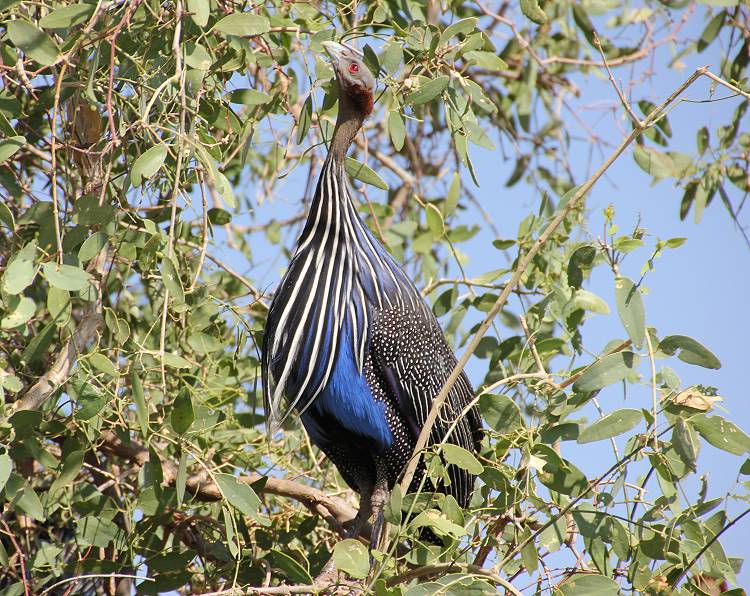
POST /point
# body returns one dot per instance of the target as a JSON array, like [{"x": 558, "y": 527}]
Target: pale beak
[{"x": 336, "y": 51}]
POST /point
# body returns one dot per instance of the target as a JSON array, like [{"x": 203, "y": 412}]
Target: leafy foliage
[{"x": 141, "y": 138}]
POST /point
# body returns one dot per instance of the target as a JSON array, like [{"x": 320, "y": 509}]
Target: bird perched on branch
[{"x": 350, "y": 345}]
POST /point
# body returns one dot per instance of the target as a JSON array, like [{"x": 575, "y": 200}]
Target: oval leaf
[
  {"x": 67, "y": 16},
  {"x": 631, "y": 310},
  {"x": 171, "y": 280},
  {"x": 356, "y": 169},
  {"x": 9, "y": 146},
  {"x": 428, "y": 91},
  {"x": 34, "y": 42},
  {"x": 22, "y": 309},
  {"x": 460, "y": 457},
  {"x": 238, "y": 494},
  {"x": 243, "y": 23},
  {"x": 147, "y": 164},
  {"x": 351, "y": 557},
  {"x": 608, "y": 370},
  {"x": 66, "y": 277},
  {"x": 500, "y": 413},
  {"x": 722, "y": 434},
  {"x": 611, "y": 425}
]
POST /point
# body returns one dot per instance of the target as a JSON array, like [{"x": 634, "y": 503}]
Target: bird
[{"x": 350, "y": 346}]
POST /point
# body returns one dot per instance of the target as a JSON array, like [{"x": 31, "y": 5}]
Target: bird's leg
[{"x": 379, "y": 498}]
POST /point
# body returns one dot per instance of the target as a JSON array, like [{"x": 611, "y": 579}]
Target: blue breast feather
[{"x": 348, "y": 399}]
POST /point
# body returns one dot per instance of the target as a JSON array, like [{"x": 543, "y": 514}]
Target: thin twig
[
  {"x": 620, "y": 94},
  {"x": 21, "y": 557},
  {"x": 91, "y": 576}
]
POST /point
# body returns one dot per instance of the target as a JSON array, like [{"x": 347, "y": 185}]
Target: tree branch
[{"x": 335, "y": 511}]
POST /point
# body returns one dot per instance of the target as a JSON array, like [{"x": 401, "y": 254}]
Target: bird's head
[{"x": 355, "y": 79}]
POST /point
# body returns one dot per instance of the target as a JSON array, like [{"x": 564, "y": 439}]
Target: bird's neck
[{"x": 348, "y": 123}]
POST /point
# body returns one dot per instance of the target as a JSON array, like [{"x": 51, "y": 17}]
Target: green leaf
[
  {"x": 248, "y": 97},
  {"x": 428, "y": 91},
  {"x": 702, "y": 140},
  {"x": 486, "y": 60},
  {"x": 67, "y": 16},
  {"x": 38, "y": 346},
  {"x": 22, "y": 308},
  {"x": 199, "y": 11},
  {"x": 533, "y": 11},
  {"x": 691, "y": 351},
  {"x": 711, "y": 30},
  {"x": 651, "y": 161},
  {"x": 350, "y": 556},
  {"x": 94, "y": 530},
  {"x": 461, "y": 27},
  {"x": 197, "y": 56},
  {"x": 181, "y": 477},
  {"x": 243, "y": 23},
  {"x": 88, "y": 212},
  {"x": 396, "y": 129},
  {"x": 9, "y": 146},
  {"x": 290, "y": 567},
  {"x": 565, "y": 479},
  {"x": 305, "y": 119},
  {"x": 722, "y": 434},
  {"x": 238, "y": 494},
  {"x": 392, "y": 510},
  {"x": 28, "y": 501},
  {"x": 139, "y": 399},
  {"x": 391, "y": 57},
  {"x": 631, "y": 310},
  {"x": 147, "y": 164},
  {"x": 435, "y": 222},
  {"x": 589, "y": 585},
  {"x": 70, "y": 468},
  {"x": 356, "y": 169},
  {"x": 454, "y": 194},
  {"x": 103, "y": 364},
  {"x": 66, "y": 277},
  {"x": 611, "y": 425},
  {"x": 34, "y": 42},
  {"x": 6, "y": 215},
  {"x": 89, "y": 399},
  {"x": 176, "y": 361},
  {"x": 685, "y": 442},
  {"x": 460, "y": 457},
  {"x": 92, "y": 246},
  {"x": 171, "y": 280},
  {"x": 606, "y": 371},
  {"x": 182, "y": 412},
  {"x": 478, "y": 136},
  {"x": 529, "y": 554},
  {"x": 581, "y": 259},
  {"x": 500, "y": 413},
  {"x": 585, "y": 300},
  {"x": 371, "y": 59},
  {"x": 6, "y": 465},
  {"x": 20, "y": 272}
]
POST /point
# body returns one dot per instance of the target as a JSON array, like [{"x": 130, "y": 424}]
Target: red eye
[{"x": 354, "y": 67}]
